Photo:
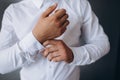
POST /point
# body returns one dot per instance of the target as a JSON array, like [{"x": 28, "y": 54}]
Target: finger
[
  {"x": 51, "y": 49},
  {"x": 57, "y": 10},
  {"x": 49, "y": 10},
  {"x": 64, "y": 18},
  {"x": 57, "y": 59},
  {"x": 53, "y": 55},
  {"x": 63, "y": 30},
  {"x": 65, "y": 24},
  {"x": 45, "y": 53},
  {"x": 60, "y": 13},
  {"x": 49, "y": 42}
]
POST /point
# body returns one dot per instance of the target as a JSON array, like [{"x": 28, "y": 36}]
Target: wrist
[
  {"x": 39, "y": 37},
  {"x": 71, "y": 56}
]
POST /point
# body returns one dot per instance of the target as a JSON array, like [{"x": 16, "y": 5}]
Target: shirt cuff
[
  {"x": 30, "y": 44},
  {"x": 79, "y": 56}
]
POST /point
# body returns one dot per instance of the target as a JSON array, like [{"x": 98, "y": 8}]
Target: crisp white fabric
[{"x": 19, "y": 48}]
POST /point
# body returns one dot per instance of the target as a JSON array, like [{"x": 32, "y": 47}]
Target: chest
[{"x": 26, "y": 20}]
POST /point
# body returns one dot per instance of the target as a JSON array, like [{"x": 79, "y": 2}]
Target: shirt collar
[{"x": 38, "y": 3}]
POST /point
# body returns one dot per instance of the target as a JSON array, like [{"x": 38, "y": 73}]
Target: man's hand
[
  {"x": 51, "y": 26},
  {"x": 57, "y": 50}
]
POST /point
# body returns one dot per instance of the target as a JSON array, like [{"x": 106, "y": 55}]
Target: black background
[{"x": 107, "y": 68}]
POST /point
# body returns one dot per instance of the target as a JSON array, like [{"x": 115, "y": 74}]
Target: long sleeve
[
  {"x": 15, "y": 53},
  {"x": 96, "y": 41}
]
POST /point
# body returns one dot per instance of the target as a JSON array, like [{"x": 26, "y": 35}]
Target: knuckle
[
  {"x": 46, "y": 50},
  {"x": 45, "y": 43},
  {"x": 63, "y": 10},
  {"x": 58, "y": 23},
  {"x": 48, "y": 41},
  {"x": 45, "y": 54},
  {"x": 67, "y": 15},
  {"x": 54, "y": 17},
  {"x": 49, "y": 57},
  {"x": 67, "y": 21}
]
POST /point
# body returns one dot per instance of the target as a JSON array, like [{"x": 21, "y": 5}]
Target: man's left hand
[{"x": 57, "y": 50}]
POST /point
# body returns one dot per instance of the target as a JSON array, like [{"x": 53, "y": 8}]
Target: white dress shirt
[{"x": 20, "y": 49}]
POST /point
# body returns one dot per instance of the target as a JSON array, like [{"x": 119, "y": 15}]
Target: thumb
[{"x": 49, "y": 10}]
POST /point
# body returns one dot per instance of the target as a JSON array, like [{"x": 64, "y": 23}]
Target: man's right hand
[{"x": 51, "y": 26}]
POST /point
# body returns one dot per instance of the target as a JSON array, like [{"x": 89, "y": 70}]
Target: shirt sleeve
[
  {"x": 14, "y": 53},
  {"x": 96, "y": 41}
]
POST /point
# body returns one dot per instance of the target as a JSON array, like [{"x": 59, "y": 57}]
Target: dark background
[{"x": 107, "y": 68}]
